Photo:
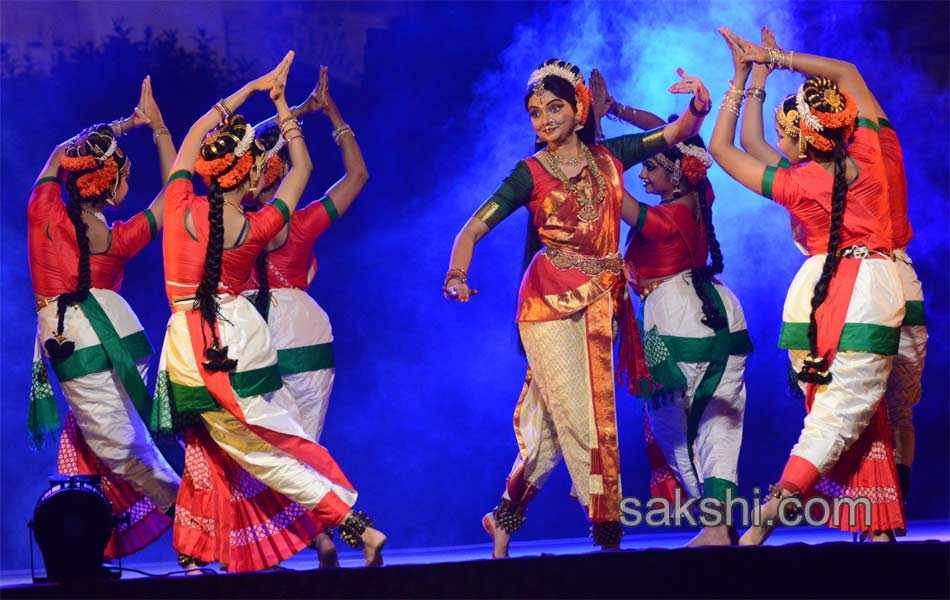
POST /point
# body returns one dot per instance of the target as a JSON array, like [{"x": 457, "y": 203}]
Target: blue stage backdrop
[{"x": 420, "y": 418}]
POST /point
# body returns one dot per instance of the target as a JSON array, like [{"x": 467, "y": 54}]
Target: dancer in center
[
  {"x": 695, "y": 335},
  {"x": 572, "y": 290},
  {"x": 220, "y": 367}
]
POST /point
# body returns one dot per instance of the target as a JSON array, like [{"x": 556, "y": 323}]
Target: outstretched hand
[
  {"x": 692, "y": 85},
  {"x": 598, "y": 89},
  {"x": 737, "y": 46},
  {"x": 319, "y": 98}
]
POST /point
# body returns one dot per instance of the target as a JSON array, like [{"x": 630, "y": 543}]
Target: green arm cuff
[
  {"x": 862, "y": 122},
  {"x": 653, "y": 142},
  {"x": 284, "y": 211},
  {"x": 152, "y": 225},
  {"x": 641, "y": 218},
  {"x": 45, "y": 180},
  {"x": 181, "y": 174},
  {"x": 768, "y": 180},
  {"x": 331, "y": 209},
  {"x": 512, "y": 194},
  {"x": 784, "y": 163},
  {"x": 882, "y": 122}
]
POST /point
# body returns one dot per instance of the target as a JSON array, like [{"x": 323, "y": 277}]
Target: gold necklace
[
  {"x": 588, "y": 210},
  {"x": 237, "y": 208},
  {"x": 571, "y": 161}
]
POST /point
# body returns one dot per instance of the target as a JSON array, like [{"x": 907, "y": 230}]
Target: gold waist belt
[{"x": 591, "y": 265}]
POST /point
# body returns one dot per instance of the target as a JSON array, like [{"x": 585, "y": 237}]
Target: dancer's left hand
[{"x": 692, "y": 85}]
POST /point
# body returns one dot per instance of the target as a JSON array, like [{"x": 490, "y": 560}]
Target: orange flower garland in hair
[
  {"x": 693, "y": 169},
  {"x": 845, "y": 119},
  {"x": 273, "y": 170},
  {"x": 96, "y": 181},
  {"x": 238, "y": 172},
  {"x": 585, "y": 99}
]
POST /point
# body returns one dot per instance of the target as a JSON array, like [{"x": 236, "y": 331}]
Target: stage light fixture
[{"x": 72, "y": 523}]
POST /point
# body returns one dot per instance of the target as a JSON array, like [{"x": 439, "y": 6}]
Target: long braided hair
[
  {"x": 837, "y": 113},
  {"x": 90, "y": 174},
  {"x": 226, "y": 159},
  {"x": 685, "y": 166},
  {"x": 277, "y": 159}
]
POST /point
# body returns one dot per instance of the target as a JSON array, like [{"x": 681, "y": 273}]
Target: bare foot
[
  {"x": 373, "y": 542},
  {"x": 326, "y": 551},
  {"x": 193, "y": 568},
  {"x": 711, "y": 536},
  {"x": 501, "y": 537},
  {"x": 883, "y": 536},
  {"x": 764, "y": 522}
]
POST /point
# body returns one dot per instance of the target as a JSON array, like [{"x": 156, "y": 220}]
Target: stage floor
[{"x": 919, "y": 531}]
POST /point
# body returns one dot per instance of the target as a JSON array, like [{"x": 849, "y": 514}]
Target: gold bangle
[{"x": 160, "y": 131}]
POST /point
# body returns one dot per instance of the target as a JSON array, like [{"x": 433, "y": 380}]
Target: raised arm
[
  {"x": 845, "y": 74},
  {"x": 691, "y": 120},
  {"x": 606, "y": 105},
  {"x": 188, "y": 152},
  {"x": 51, "y": 168},
  {"x": 741, "y": 166},
  {"x": 752, "y": 134},
  {"x": 149, "y": 112},
  {"x": 295, "y": 182},
  {"x": 343, "y": 192}
]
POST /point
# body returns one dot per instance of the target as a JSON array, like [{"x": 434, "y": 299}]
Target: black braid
[
  {"x": 93, "y": 140},
  {"x": 703, "y": 275},
  {"x": 262, "y": 301},
  {"x": 74, "y": 210},
  {"x": 207, "y": 295},
  {"x": 219, "y": 143},
  {"x": 817, "y": 370}
]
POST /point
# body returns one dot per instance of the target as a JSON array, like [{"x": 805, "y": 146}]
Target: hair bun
[{"x": 823, "y": 94}]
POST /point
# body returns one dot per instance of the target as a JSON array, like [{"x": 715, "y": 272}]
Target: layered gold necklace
[{"x": 588, "y": 211}]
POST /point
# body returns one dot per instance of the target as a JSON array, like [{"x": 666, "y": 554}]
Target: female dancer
[
  {"x": 840, "y": 340},
  {"x": 696, "y": 340},
  {"x": 91, "y": 337},
  {"x": 903, "y": 387},
  {"x": 570, "y": 293},
  {"x": 286, "y": 268},
  {"x": 221, "y": 365}
]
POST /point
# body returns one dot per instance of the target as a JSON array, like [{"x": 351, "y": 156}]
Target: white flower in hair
[
  {"x": 245, "y": 142},
  {"x": 277, "y": 146},
  {"x": 804, "y": 111},
  {"x": 563, "y": 71},
  {"x": 696, "y": 152}
]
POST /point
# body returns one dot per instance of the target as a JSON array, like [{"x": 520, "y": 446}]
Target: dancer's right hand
[
  {"x": 266, "y": 83},
  {"x": 459, "y": 291},
  {"x": 737, "y": 46},
  {"x": 319, "y": 98},
  {"x": 598, "y": 89}
]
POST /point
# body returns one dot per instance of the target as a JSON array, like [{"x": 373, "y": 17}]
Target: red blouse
[
  {"x": 667, "y": 240},
  {"x": 54, "y": 251},
  {"x": 293, "y": 265},
  {"x": 896, "y": 185},
  {"x": 805, "y": 190},
  {"x": 184, "y": 253}
]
